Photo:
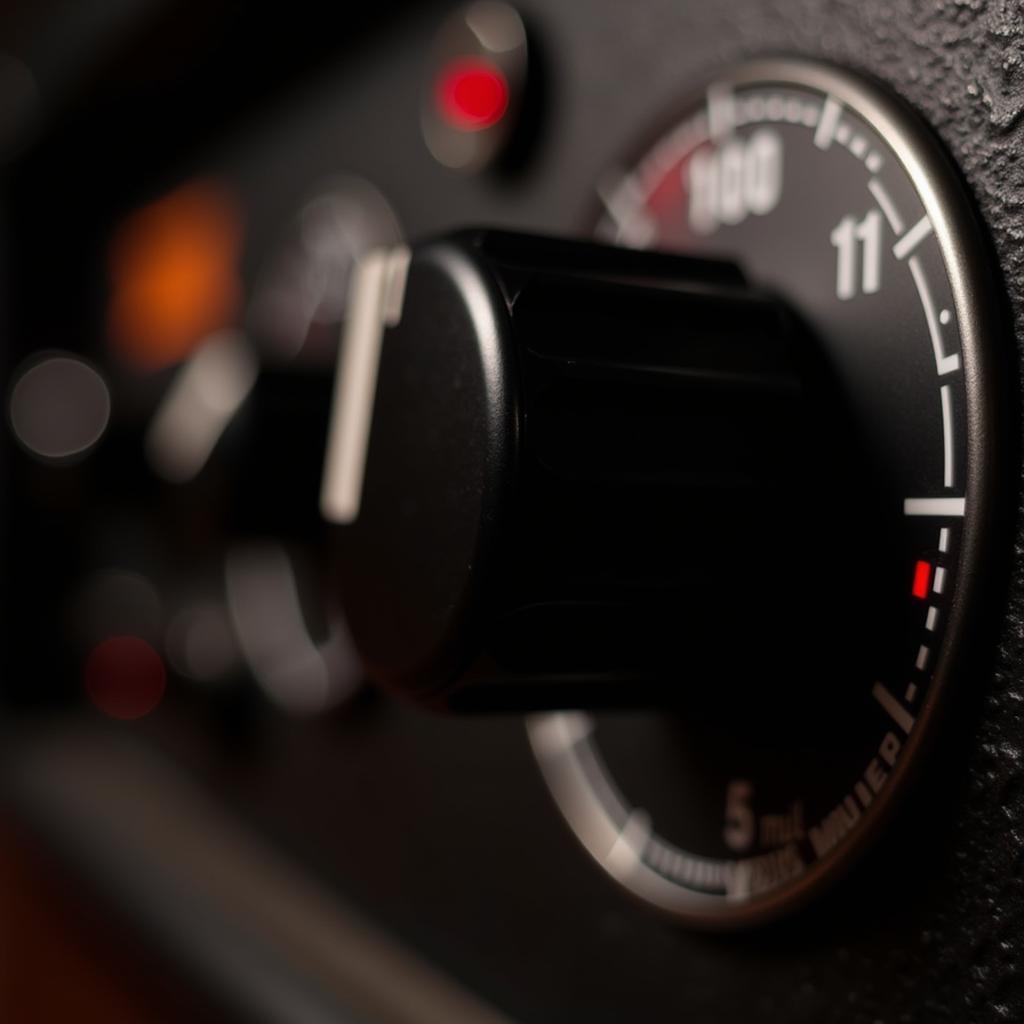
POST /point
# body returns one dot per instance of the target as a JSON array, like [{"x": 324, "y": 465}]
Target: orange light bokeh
[{"x": 174, "y": 270}]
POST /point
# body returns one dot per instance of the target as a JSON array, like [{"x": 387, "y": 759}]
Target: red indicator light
[
  {"x": 922, "y": 577},
  {"x": 471, "y": 94},
  {"x": 125, "y": 677}
]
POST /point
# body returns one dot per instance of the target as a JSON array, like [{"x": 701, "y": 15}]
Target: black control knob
[{"x": 586, "y": 476}]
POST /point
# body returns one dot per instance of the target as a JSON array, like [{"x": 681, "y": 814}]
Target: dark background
[{"x": 440, "y": 830}]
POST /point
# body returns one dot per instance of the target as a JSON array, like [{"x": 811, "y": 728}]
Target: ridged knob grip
[{"x": 582, "y": 464}]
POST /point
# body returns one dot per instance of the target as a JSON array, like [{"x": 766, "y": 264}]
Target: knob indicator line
[{"x": 375, "y": 302}]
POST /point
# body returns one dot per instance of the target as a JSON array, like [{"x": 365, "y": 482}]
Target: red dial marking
[{"x": 922, "y": 577}]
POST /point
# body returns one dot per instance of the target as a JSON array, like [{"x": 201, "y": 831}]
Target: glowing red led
[
  {"x": 124, "y": 677},
  {"x": 471, "y": 94},
  {"x": 922, "y": 577}
]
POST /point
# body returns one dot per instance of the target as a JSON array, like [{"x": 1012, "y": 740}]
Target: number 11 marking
[{"x": 845, "y": 236}]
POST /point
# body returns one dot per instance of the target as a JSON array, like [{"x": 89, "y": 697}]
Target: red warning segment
[
  {"x": 922, "y": 578},
  {"x": 471, "y": 94}
]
